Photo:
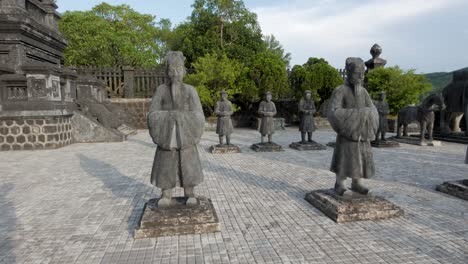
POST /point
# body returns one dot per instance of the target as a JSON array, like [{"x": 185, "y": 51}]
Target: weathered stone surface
[
  {"x": 224, "y": 149},
  {"x": 385, "y": 144},
  {"x": 416, "y": 141},
  {"x": 86, "y": 130},
  {"x": 455, "y": 188},
  {"x": 352, "y": 206},
  {"x": 307, "y": 146},
  {"x": 176, "y": 122},
  {"x": 267, "y": 147},
  {"x": 178, "y": 219}
]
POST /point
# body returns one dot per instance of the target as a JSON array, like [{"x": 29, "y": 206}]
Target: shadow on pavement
[
  {"x": 7, "y": 225},
  {"x": 120, "y": 185}
]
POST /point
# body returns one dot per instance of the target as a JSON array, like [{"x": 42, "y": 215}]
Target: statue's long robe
[
  {"x": 307, "y": 120},
  {"x": 176, "y": 124},
  {"x": 267, "y": 110},
  {"x": 223, "y": 110},
  {"x": 355, "y": 119},
  {"x": 383, "y": 109}
]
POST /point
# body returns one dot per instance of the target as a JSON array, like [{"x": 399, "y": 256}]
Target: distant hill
[{"x": 440, "y": 79}]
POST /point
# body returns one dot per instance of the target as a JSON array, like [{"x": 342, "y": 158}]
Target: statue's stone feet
[
  {"x": 191, "y": 201},
  {"x": 164, "y": 202},
  {"x": 359, "y": 189},
  {"x": 340, "y": 189}
]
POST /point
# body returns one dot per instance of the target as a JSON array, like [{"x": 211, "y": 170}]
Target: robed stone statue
[
  {"x": 223, "y": 111},
  {"x": 355, "y": 119},
  {"x": 307, "y": 109},
  {"x": 383, "y": 109},
  {"x": 267, "y": 111},
  {"x": 176, "y": 124}
]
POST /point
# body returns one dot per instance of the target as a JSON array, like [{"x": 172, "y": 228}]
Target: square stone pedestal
[
  {"x": 455, "y": 188},
  {"x": 385, "y": 144},
  {"x": 224, "y": 149},
  {"x": 416, "y": 141},
  {"x": 352, "y": 206},
  {"x": 267, "y": 147},
  {"x": 307, "y": 146},
  {"x": 178, "y": 219}
]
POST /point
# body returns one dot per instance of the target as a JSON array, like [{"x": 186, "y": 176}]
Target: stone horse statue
[
  {"x": 455, "y": 97},
  {"x": 423, "y": 114}
]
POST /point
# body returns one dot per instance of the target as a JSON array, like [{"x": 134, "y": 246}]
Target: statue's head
[
  {"x": 268, "y": 96},
  {"x": 355, "y": 70},
  {"x": 382, "y": 96},
  {"x": 224, "y": 95},
  {"x": 307, "y": 94},
  {"x": 175, "y": 65},
  {"x": 375, "y": 51}
]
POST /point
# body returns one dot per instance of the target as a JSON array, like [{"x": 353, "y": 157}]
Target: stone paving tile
[{"x": 81, "y": 203}]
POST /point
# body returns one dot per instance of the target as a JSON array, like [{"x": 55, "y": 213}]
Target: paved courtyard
[{"x": 81, "y": 203}]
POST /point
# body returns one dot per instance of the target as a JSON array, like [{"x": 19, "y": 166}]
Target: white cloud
[{"x": 337, "y": 29}]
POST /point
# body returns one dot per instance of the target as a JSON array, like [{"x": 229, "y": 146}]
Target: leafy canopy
[
  {"x": 315, "y": 75},
  {"x": 213, "y": 73},
  {"x": 113, "y": 36},
  {"x": 401, "y": 87},
  {"x": 225, "y": 26}
]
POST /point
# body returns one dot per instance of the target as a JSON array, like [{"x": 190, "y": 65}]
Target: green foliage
[
  {"x": 273, "y": 45},
  {"x": 113, "y": 36},
  {"x": 213, "y": 73},
  {"x": 229, "y": 30},
  {"x": 225, "y": 26},
  {"x": 315, "y": 75},
  {"x": 402, "y": 87},
  {"x": 268, "y": 73}
]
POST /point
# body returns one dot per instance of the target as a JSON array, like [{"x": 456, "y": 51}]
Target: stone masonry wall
[
  {"x": 137, "y": 109},
  {"x": 35, "y": 133}
]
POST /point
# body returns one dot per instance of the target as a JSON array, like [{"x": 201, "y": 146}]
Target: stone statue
[
  {"x": 376, "y": 61},
  {"x": 224, "y": 111},
  {"x": 383, "y": 109},
  {"x": 355, "y": 119},
  {"x": 176, "y": 123},
  {"x": 267, "y": 111},
  {"x": 466, "y": 156},
  {"x": 307, "y": 109}
]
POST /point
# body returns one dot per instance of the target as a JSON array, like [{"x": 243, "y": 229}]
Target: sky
[{"x": 425, "y": 35}]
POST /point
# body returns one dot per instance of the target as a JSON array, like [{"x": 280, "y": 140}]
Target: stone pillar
[
  {"x": 129, "y": 78},
  {"x": 50, "y": 18}
]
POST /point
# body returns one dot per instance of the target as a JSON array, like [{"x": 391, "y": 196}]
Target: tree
[
  {"x": 274, "y": 46},
  {"x": 402, "y": 87},
  {"x": 315, "y": 75},
  {"x": 268, "y": 73},
  {"x": 214, "y": 73},
  {"x": 113, "y": 36},
  {"x": 221, "y": 26}
]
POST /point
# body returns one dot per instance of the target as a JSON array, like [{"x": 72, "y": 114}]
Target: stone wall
[
  {"x": 136, "y": 108},
  {"x": 35, "y": 133}
]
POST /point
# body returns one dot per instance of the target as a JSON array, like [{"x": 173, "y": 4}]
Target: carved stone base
[
  {"x": 455, "y": 137},
  {"x": 178, "y": 219},
  {"x": 416, "y": 141},
  {"x": 352, "y": 206},
  {"x": 267, "y": 147},
  {"x": 455, "y": 188},
  {"x": 307, "y": 146},
  {"x": 224, "y": 149},
  {"x": 385, "y": 144},
  {"x": 331, "y": 144}
]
